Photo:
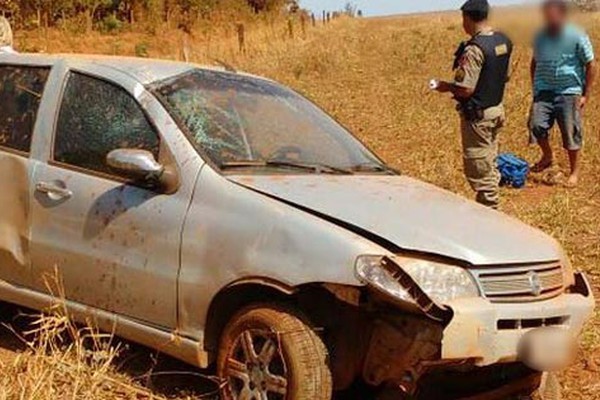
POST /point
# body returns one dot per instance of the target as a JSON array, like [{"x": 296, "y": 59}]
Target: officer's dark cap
[{"x": 478, "y": 10}]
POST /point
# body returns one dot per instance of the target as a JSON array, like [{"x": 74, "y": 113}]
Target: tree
[
  {"x": 89, "y": 8},
  {"x": 350, "y": 9},
  {"x": 42, "y": 10},
  {"x": 60, "y": 9},
  {"x": 293, "y": 6},
  {"x": 8, "y": 7},
  {"x": 269, "y": 5},
  {"x": 176, "y": 13}
]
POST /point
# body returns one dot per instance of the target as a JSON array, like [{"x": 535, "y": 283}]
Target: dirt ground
[{"x": 372, "y": 75}]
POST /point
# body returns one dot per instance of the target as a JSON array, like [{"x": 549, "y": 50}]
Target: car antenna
[{"x": 228, "y": 67}]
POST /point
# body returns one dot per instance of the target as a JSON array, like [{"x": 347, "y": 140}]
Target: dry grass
[
  {"x": 54, "y": 358},
  {"x": 371, "y": 75},
  {"x": 62, "y": 361}
]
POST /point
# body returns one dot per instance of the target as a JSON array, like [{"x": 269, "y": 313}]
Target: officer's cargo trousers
[{"x": 480, "y": 150}]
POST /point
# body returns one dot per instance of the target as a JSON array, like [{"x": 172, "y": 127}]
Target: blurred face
[{"x": 555, "y": 17}]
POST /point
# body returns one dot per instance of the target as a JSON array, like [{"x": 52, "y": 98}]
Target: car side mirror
[{"x": 137, "y": 165}]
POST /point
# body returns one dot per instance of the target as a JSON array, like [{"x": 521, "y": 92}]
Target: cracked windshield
[{"x": 242, "y": 122}]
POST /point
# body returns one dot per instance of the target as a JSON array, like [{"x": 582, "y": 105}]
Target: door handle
[{"x": 53, "y": 190}]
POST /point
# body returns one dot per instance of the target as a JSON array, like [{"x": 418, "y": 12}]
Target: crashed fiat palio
[{"x": 225, "y": 220}]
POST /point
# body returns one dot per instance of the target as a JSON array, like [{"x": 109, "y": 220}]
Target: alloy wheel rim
[{"x": 256, "y": 368}]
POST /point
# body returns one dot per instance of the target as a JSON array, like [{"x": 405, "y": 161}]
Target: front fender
[{"x": 232, "y": 233}]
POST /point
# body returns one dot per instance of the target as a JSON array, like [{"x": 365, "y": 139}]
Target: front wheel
[
  {"x": 550, "y": 388},
  {"x": 269, "y": 353}
]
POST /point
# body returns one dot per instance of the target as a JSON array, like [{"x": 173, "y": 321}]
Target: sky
[{"x": 389, "y": 7}]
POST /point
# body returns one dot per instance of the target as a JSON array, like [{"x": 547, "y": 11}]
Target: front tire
[
  {"x": 269, "y": 353},
  {"x": 550, "y": 388}
]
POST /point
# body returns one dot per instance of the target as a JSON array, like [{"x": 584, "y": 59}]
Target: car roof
[{"x": 144, "y": 70}]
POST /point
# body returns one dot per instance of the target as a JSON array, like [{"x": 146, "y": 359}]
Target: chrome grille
[{"x": 521, "y": 283}]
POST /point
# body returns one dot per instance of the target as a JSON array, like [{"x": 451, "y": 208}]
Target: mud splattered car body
[{"x": 169, "y": 197}]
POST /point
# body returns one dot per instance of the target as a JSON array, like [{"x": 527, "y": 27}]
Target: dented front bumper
[{"x": 490, "y": 333}]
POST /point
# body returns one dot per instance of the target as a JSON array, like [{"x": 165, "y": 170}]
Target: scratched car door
[{"x": 111, "y": 244}]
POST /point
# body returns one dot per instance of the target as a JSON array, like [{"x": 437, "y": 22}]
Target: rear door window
[
  {"x": 95, "y": 118},
  {"x": 21, "y": 90}
]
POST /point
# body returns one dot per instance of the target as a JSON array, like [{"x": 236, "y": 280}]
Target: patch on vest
[
  {"x": 460, "y": 75},
  {"x": 501, "y": 50}
]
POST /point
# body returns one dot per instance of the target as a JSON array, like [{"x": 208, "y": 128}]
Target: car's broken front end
[
  {"x": 287, "y": 203},
  {"x": 501, "y": 324}
]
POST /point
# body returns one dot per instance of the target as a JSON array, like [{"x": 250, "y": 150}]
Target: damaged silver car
[{"x": 225, "y": 220}]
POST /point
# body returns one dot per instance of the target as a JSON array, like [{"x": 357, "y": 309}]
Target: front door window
[{"x": 97, "y": 117}]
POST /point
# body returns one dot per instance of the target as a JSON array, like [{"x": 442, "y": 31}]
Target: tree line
[{"x": 111, "y": 14}]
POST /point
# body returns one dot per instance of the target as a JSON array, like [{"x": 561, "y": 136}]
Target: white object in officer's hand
[{"x": 434, "y": 84}]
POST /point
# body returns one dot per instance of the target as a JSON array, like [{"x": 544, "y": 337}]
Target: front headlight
[
  {"x": 371, "y": 270},
  {"x": 441, "y": 282}
]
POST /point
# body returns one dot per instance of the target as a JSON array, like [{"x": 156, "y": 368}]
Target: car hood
[{"x": 413, "y": 215}]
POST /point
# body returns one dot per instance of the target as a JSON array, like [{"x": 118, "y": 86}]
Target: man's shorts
[{"x": 549, "y": 108}]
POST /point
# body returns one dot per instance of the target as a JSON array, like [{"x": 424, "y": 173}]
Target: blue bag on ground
[{"x": 513, "y": 169}]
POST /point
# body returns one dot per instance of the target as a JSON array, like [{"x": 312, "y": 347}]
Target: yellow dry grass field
[{"x": 372, "y": 75}]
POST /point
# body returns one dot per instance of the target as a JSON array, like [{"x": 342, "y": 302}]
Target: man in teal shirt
[{"x": 562, "y": 72}]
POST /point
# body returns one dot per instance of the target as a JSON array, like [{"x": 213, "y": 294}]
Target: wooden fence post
[
  {"x": 290, "y": 28},
  {"x": 241, "y": 31},
  {"x": 313, "y": 19},
  {"x": 324, "y": 17},
  {"x": 185, "y": 48},
  {"x": 303, "y": 24}
]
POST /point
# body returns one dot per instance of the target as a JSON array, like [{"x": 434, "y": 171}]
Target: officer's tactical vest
[{"x": 497, "y": 50}]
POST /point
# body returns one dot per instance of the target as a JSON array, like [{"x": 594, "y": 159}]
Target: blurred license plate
[{"x": 548, "y": 349}]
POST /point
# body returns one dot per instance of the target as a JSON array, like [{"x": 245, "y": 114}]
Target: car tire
[
  {"x": 550, "y": 388},
  {"x": 267, "y": 352}
]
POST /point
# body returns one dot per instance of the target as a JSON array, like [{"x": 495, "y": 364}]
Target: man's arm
[
  {"x": 466, "y": 75},
  {"x": 585, "y": 52},
  {"x": 459, "y": 92},
  {"x": 590, "y": 77}
]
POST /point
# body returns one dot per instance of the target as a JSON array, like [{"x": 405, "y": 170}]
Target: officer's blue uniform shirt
[{"x": 561, "y": 61}]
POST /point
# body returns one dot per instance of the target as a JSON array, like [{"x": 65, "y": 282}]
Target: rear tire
[{"x": 267, "y": 352}]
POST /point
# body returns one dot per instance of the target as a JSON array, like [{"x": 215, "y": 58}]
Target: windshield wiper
[
  {"x": 375, "y": 168},
  {"x": 317, "y": 168}
]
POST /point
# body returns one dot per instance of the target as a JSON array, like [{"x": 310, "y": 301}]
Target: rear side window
[
  {"x": 95, "y": 118},
  {"x": 21, "y": 90}
]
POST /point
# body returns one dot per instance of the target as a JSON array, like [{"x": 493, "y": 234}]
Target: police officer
[{"x": 481, "y": 71}]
